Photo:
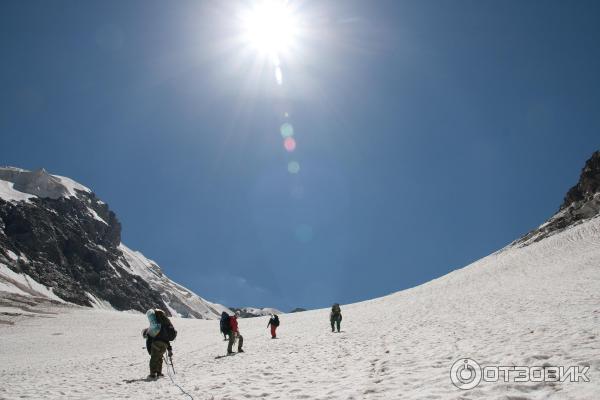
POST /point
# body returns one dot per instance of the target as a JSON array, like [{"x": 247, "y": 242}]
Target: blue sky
[{"x": 428, "y": 133}]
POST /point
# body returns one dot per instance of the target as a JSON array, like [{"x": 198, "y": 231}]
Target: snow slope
[
  {"x": 9, "y": 193},
  {"x": 537, "y": 305},
  {"x": 24, "y": 285}
]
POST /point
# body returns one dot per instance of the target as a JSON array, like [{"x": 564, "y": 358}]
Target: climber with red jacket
[
  {"x": 274, "y": 323},
  {"x": 234, "y": 334}
]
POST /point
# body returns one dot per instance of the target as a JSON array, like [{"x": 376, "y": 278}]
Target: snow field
[
  {"x": 532, "y": 306},
  {"x": 9, "y": 193}
]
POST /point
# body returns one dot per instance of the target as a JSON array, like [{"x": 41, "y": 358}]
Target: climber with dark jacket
[
  {"x": 335, "y": 317},
  {"x": 274, "y": 323},
  {"x": 158, "y": 336}
]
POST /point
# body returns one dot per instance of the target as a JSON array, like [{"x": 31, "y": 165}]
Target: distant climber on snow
[
  {"x": 158, "y": 337},
  {"x": 234, "y": 335},
  {"x": 274, "y": 323},
  {"x": 335, "y": 317}
]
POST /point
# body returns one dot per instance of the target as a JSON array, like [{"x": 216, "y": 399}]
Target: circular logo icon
[{"x": 465, "y": 374}]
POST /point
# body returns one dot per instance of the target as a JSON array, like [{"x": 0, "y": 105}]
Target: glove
[{"x": 170, "y": 353}]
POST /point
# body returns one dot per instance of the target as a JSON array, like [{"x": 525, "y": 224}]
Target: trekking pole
[
  {"x": 169, "y": 361},
  {"x": 172, "y": 365}
]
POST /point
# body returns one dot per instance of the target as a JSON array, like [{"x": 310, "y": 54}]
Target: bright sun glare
[{"x": 270, "y": 26}]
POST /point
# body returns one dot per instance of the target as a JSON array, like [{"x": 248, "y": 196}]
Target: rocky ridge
[
  {"x": 581, "y": 203},
  {"x": 58, "y": 240}
]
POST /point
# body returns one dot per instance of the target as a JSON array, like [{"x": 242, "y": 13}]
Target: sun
[{"x": 270, "y": 27}]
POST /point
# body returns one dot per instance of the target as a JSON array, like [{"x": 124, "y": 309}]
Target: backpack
[
  {"x": 224, "y": 323},
  {"x": 167, "y": 330},
  {"x": 336, "y": 309},
  {"x": 275, "y": 320}
]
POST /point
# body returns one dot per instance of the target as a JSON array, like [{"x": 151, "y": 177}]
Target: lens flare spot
[
  {"x": 287, "y": 130},
  {"x": 289, "y": 144},
  {"x": 304, "y": 233},
  {"x": 293, "y": 167},
  {"x": 286, "y": 114},
  {"x": 278, "y": 76}
]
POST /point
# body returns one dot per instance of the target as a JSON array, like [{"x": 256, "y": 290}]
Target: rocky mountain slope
[
  {"x": 581, "y": 203},
  {"x": 59, "y": 241}
]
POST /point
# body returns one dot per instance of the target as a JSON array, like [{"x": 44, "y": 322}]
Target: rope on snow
[{"x": 173, "y": 380}]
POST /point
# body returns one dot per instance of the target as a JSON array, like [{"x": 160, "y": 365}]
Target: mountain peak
[
  {"x": 581, "y": 203},
  {"x": 588, "y": 185},
  {"x": 56, "y": 233},
  {"x": 40, "y": 183}
]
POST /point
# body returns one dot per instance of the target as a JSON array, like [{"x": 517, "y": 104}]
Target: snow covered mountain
[
  {"x": 534, "y": 303},
  {"x": 251, "y": 312},
  {"x": 59, "y": 242}
]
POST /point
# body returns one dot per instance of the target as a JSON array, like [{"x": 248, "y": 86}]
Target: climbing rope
[{"x": 170, "y": 364}]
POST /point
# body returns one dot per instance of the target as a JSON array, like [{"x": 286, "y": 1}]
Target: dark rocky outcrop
[
  {"x": 68, "y": 240},
  {"x": 62, "y": 245},
  {"x": 588, "y": 186},
  {"x": 581, "y": 203}
]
